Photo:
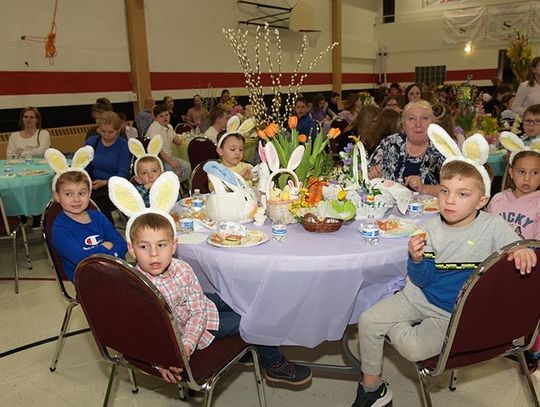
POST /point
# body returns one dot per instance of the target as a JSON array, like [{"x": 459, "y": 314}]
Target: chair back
[
  {"x": 199, "y": 179},
  {"x": 127, "y": 314},
  {"x": 201, "y": 149},
  {"x": 497, "y": 312},
  {"x": 52, "y": 210},
  {"x": 182, "y": 128}
]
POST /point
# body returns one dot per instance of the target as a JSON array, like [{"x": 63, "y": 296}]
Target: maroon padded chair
[
  {"x": 201, "y": 149},
  {"x": 134, "y": 327},
  {"x": 199, "y": 179},
  {"x": 182, "y": 128},
  {"x": 496, "y": 314},
  {"x": 50, "y": 214}
]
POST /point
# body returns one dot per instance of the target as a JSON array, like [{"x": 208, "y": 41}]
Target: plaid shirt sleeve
[{"x": 202, "y": 313}]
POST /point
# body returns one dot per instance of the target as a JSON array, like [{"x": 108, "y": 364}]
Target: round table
[
  {"x": 305, "y": 290},
  {"x": 25, "y": 194}
]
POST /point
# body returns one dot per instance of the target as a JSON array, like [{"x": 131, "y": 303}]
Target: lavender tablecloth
[{"x": 304, "y": 291}]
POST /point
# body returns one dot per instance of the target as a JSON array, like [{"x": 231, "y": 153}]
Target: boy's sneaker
[
  {"x": 378, "y": 398},
  {"x": 286, "y": 371},
  {"x": 532, "y": 359}
]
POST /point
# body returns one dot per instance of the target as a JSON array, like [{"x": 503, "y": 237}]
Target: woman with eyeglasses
[{"x": 528, "y": 92}]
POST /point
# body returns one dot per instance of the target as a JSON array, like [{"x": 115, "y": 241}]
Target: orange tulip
[
  {"x": 334, "y": 132},
  {"x": 302, "y": 138},
  {"x": 261, "y": 134},
  {"x": 271, "y": 130},
  {"x": 293, "y": 122}
]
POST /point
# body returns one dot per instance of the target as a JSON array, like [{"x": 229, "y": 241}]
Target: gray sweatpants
[{"x": 415, "y": 327}]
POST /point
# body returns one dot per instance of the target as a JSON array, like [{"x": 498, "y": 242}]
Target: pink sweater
[{"x": 523, "y": 214}]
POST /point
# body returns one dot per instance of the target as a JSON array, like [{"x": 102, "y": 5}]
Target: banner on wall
[
  {"x": 464, "y": 25},
  {"x": 504, "y": 19}
]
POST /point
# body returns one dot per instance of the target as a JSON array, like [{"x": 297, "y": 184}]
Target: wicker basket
[
  {"x": 278, "y": 211},
  {"x": 327, "y": 225}
]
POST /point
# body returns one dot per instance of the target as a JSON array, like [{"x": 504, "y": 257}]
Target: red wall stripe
[
  {"x": 27, "y": 83},
  {"x": 38, "y": 83}
]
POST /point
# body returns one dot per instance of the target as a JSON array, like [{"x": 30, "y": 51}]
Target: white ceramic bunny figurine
[
  {"x": 154, "y": 148},
  {"x": 475, "y": 151},
  {"x": 58, "y": 162},
  {"x": 163, "y": 196},
  {"x": 515, "y": 145}
]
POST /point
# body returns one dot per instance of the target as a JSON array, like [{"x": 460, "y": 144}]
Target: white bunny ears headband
[
  {"x": 514, "y": 144},
  {"x": 58, "y": 162},
  {"x": 475, "y": 151},
  {"x": 234, "y": 127},
  {"x": 163, "y": 196},
  {"x": 154, "y": 147}
]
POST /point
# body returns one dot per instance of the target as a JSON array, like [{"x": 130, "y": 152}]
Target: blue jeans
[{"x": 229, "y": 323}]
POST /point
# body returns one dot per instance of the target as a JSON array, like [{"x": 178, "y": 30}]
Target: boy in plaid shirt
[{"x": 200, "y": 317}]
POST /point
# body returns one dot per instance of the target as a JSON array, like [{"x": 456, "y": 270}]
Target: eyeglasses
[{"x": 532, "y": 122}]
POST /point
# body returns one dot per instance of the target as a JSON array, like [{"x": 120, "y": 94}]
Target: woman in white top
[
  {"x": 528, "y": 93},
  {"x": 32, "y": 140}
]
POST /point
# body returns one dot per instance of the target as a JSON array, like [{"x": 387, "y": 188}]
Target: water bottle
[
  {"x": 416, "y": 206},
  {"x": 370, "y": 231},
  {"x": 186, "y": 220},
  {"x": 279, "y": 231}
]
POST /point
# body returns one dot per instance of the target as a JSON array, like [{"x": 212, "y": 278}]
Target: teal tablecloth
[
  {"x": 26, "y": 195},
  {"x": 497, "y": 163}
]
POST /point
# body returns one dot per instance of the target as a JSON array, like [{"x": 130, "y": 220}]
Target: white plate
[
  {"x": 32, "y": 173},
  {"x": 264, "y": 239},
  {"x": 405, "y": 228},
  {"x": 8, "y": 176}
]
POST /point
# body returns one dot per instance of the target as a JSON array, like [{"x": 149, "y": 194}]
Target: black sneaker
[
  {"x": 378, "y": 398},
  {"x": 288, "y": 372}
]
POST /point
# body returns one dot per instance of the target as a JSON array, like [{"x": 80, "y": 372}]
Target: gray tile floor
[{"x": 81, "y": 377}]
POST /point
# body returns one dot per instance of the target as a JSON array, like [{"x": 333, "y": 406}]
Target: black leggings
[{"x": 101, "y": 198}]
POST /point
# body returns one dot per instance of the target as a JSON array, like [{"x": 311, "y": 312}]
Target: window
[
  {"x": 389, "y": 10},
  {"x": 430, "y": 74}
]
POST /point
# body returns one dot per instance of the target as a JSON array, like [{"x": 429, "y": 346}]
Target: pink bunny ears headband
[
  {"x": 234, "y": 127},
  {"x": 475, "y": 151}
]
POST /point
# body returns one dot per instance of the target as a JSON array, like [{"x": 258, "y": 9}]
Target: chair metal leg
[
  {"x": 15, "y": 258},
  {"x": 133, "y": 381},
  {"x": 258, "y": 378},
  {"x": 63, "y": 330},
  {"x": 424, "y": 388},
  {"x": 208, "y": 393},
  {"x": 109, "y": 385},
  {"x": 525, "y": 371},
  {"x": 453, "y": 380},
  {"x": 25, "y": 241}
]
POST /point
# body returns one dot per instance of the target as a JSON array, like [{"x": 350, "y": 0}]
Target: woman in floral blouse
[{"x": 409, "y": 157}]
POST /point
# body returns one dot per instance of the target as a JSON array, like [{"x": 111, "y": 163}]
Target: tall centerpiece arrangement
[
  {"x": 520, "y": 53},
  {"x": 466, "y": 97}
]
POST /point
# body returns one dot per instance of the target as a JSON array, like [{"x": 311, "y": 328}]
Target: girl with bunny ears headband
[
  {"x": 235, "y": 128},
  {"x": 137, "y": 149},
  {"x": 515, "y": 145},
  {"x": 163, "y": 196},
  {"x": 475, "y": 151},
  {"x": 58, "y": 162}
]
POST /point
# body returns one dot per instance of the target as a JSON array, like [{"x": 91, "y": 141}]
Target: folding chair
[
  {"x": 201, "y": 149},
  {"x": 496, "y": 314},
  {"x": 50, "y": 214},
  {"x": 182, "y": 128},
  {"x": 9, "y": 229},
  {"x": 134, "y": 327}
]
